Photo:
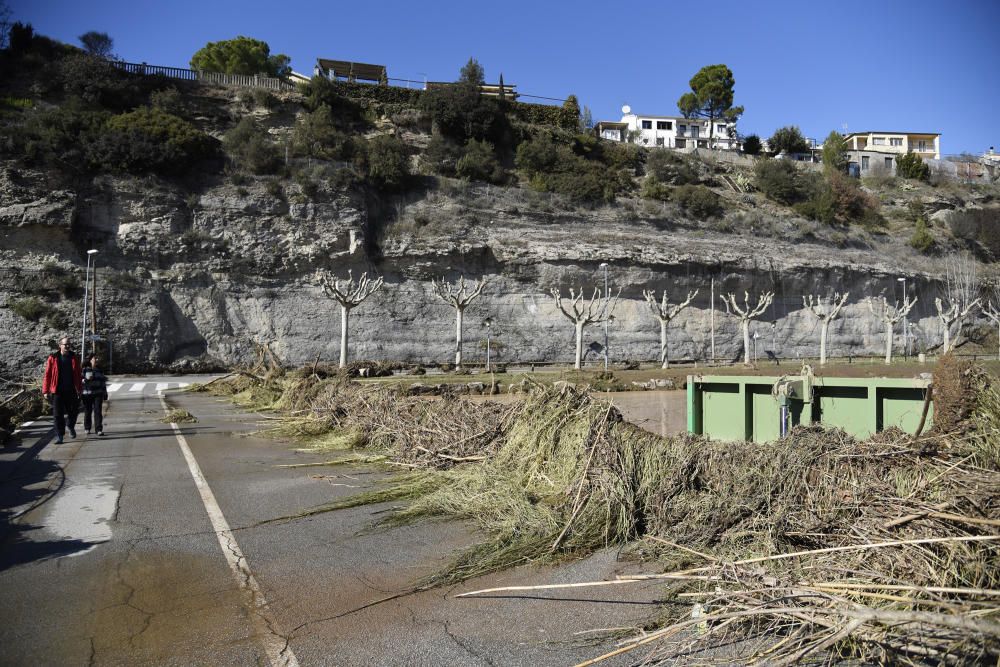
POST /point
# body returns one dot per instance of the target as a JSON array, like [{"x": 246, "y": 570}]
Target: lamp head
[
  {"x": 604, "y": 265},
  {"x": 92, "y": 251},
  {"x": 901, "y": 280}
]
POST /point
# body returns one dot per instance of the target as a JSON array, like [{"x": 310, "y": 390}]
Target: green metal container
[{"x": 743, "y": 407}]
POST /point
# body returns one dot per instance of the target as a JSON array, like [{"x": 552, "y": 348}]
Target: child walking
[{"x": 95, "y": 392}]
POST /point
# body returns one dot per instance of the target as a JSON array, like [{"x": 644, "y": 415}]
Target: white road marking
[
  {"x": 137, "y": 386},
  {"x": 22, "y": 427},
  {"x": 114, "y": 386},
  {"x": 279, "y": 653},
  {"x": 160, "y": 386}
]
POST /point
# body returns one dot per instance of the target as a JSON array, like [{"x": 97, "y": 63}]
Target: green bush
[
  {"x": 31, "y": 308},
  {"x": 922, "y": 240},
  {"x": 479, "y": 163},
  {"x": 912, "y": 166},
  {"x": 555, "y": 167},
  {"x": 837, "y": 199},
  {"x": 150, "y": 140},
  {"x": 168, "y": 100},
  {"x": 699, "y": 201},
  {"x": 780, "y": 180},
  {"x": 56, "y": 319},
  {"x": 654, "y": 189},
  {"x": 60, "y": 137},
  {"x": 320, "y": 91},
  {"x": 99, "y": 83},
  {"x": 316, "y": 135},
  {"x": 442, "y": 155},
  {"x": 460, "y": 112},
  {"x": 251, "y": 148},
  {"x": 387, "y": 163},
  {"x": 667, "y": 167}
]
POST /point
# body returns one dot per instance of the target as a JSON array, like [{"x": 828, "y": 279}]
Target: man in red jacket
[{"x": 62, "y": 385}]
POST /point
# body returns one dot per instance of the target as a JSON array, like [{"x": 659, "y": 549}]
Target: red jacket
[{"x": 50, "y": 383}]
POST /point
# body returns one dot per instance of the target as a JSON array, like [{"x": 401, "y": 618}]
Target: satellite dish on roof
[{"x": 626, "y": 109}]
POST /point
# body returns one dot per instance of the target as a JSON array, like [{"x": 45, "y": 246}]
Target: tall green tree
[
  {"x": 788, "y": 139},
  {"x": 472, "y": 73},
  {"x": 242, "y": 55},
  {"x": 711, "y": 97},
  {"x": 98, "y": 44},
  {"x": 834, "y": 153},
  {"x": 752, "y": 145}
]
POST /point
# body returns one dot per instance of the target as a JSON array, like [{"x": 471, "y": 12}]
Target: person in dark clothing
[
  {"x": 61, "y": 385},
  {"x": 95, "y": 392}
]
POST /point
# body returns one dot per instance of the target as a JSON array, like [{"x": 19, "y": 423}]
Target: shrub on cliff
[
  {"x": 667, "y": 167},
  {"x": 316, "y": 135},
  {"x": 59, "y": 137},
  {"x": 386, "y": 162},
  {"x": 780, "y": 180},
  {"x": 320, "y": 91},
  {"x": 150, "y": 140},
  {"x": 912, "y": 166},
  {"x": 922, "y": 240},
  {"x": 479, "y": 163},
  {"x": 698, "y": 201},
  {"x": 978, "y": 226},
  {"x": 99, "y": 83},
  {"x": 554, "y": 167},
  {"x": 250, "y": 147}
]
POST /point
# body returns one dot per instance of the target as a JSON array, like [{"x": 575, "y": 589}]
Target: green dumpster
[{"x": 762, "y": 409}]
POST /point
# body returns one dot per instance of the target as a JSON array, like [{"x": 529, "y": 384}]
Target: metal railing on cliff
[{"x": 216, "y": 78}]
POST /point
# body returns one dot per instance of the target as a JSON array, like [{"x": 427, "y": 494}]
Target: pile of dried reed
[{"x": 886, "y": 549}]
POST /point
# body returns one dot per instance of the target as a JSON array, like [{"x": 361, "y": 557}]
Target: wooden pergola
[{"x": 345, "y": 69}]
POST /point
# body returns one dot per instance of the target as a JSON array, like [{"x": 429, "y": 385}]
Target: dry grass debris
[{"x": 819, "y": 545}]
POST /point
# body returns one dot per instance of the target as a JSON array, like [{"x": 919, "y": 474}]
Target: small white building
[{"x": 668, "y": 131}]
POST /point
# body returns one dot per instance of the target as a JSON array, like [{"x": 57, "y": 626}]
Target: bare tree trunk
[
  {"x": 746, "y": 342},
  {"x": 664, "y": 360},
  {"x": 888, "y": 342},
  {"x": 947, "y": 339},
  {"x": 823, "y": 328},
  {"x": 579, "y": 346},
  {"x": 344, "y": 314},
  {"x": 458, "y": 336}
]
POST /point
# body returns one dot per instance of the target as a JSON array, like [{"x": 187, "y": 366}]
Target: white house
[
  {"x": 668, "y": 131},
  {"x": 925, "y": 144}
]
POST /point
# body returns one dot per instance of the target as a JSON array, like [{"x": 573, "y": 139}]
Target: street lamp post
[
  {"x": 604, "y": 265},
  {"x": 86, "y": 294},
  {"x": 488, "y": 323},
  {"x": 906, "y": 332}
]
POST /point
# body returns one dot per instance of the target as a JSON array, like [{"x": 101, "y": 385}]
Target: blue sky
[{"x": 874, "y": 65}]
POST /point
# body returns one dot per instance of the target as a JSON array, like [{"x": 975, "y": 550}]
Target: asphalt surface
[{"x": 110, "y": 556}]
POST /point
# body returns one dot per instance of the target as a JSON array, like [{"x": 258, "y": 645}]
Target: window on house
[
  {"x": 878, "y": 141},
  {"x": 702, "y": 144},
  {"x": 720, "y": 128},
  {"x": 647, "y": 125},
  {"x": 663, "y": 125},
  {"x": 659, "y": 141},
  {"x": 695, "y": 131},
  {"x": 888, "y": 163},
  {"x": 681, "y": 143},
  {"x": 895, "y": 141},
  {"x": 864, "y": 163},
  {"x": 921, "y": 145}
]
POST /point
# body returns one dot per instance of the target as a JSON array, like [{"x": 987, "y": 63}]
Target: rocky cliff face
[{"x": 186, "y": 278}]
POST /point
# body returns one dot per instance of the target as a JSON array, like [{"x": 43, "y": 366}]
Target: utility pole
[{"x": 93, "y": 304}]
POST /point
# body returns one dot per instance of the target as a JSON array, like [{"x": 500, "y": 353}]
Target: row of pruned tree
[{"x": 959, "y": 303}]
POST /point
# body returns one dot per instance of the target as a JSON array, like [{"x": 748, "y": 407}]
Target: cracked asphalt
[{"x": 159, "y": 589}]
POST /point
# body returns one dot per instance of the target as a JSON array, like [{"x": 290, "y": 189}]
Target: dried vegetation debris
[{"x": 886, "y": 549}]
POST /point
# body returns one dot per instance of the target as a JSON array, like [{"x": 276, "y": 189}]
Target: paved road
[{"x": 149, "y": 546}]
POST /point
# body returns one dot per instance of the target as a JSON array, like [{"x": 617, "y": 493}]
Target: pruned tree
[
  {"x": 458, "y": 296},
  {"x": 826, "y": 310},
  {"x": 961, "y": 287},
  {"x": 993, "y": 313},
  {"x": 348, "y": 294},
  {"x": 880, "y": 308},
  {"x": 746, "y": 313},
  {"x": 665, "y": 312},
  {"x": 583, "y": 312},
  {"x": 99, "y": 44}
]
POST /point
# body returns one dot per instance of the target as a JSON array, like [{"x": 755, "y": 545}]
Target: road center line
[{"x": 279, "y": 653}]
